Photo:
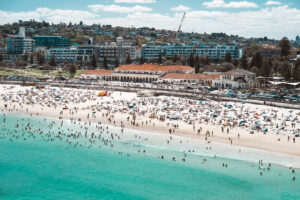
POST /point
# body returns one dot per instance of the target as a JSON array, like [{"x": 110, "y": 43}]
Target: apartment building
[
  {"x": 52, "y": 41},
  {"x": 212, "y": 50},
  {"x": 63, "y": 55},
  {"x": 235, "y": 79},
  {"x": 112, "y": 51},
  {"x": 18, "y": 46},
  {"x": 146, "y": 73},
  {"x": 270, "y": 51}
]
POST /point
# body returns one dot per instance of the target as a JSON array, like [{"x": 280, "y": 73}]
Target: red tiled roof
[
  {"x": 266, "y": 46},
  {"x": 152, "y": 67},
  {"x": 239, "y": 72},
  {"x": 99, "y": 72},
  {"x": 190, "y": 76}
]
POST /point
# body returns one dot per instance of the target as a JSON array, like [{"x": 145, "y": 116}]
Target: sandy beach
[{"x": 226, "y": 129}]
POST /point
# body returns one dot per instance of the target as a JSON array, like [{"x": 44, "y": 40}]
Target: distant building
[
  {"x": 18, "y": 46},
  {"x": 63, "y": 55},
  {"x": 270, "y": 51},
  {"x": 298, "y": 55},
  {"x": 113, "y": 51},
  {"x": 235, "y": 79},
  {"x": 116, "y": 50},
  {"x": 212, "y": 50},
  {"x": 298, "y": 39},
  {"x": 203, "y": 79},
  {"x": 137, "y": 73},
  {"x": 52, "y": 41},
  {"x": 96, "y": 74}
]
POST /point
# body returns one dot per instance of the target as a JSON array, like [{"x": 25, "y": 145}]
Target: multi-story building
[
  {"x": 297, "y": 39},
  {"x": 19, "y": 45},
  {"x": 116, "y": 50},
  {"x": 270, "y": 51},
  {"x": 212, "y": 50},
  {"x": 63, "y": 55},
  {"x": 52, "y": 41},
  {"x": 111, "y": 52},
  {"x": 236, "y": 78},
  {"x": 146, "y": 73}
]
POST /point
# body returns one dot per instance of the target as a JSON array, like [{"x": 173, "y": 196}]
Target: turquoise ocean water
[{"x": 34, "y": 164}]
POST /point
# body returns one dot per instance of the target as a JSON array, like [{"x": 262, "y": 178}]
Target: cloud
[
  {"x": 232, "y": 4},
  {"x": 49, "y": 15},
  {"x": 273, "y": 22},
  {"x": 273, "y": 3},
  {"x": 181, "y": 8},
  {"x": 119, "y": 9},
  {"x": 135, "y": 1}
]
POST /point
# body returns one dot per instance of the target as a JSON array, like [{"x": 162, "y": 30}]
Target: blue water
[{"x": 45, "y": 167}]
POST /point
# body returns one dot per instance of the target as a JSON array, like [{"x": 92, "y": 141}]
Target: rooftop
[
  {"x": 99, "y": 72},
  {"x": 190, "y": 76},
  {"x": 267, "y": 46},
  {"x": 239, "y": 72},
  {"x": 153, "y": 67}
]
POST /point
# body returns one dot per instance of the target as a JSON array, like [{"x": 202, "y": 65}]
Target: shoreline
[
  {"x": 169, "y": 93},
  {"x": 267, "y": 144},
  {"x": 220, "y": 150}
]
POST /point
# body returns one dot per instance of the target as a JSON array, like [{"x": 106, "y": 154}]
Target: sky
[{"x": 247, "y": 18}]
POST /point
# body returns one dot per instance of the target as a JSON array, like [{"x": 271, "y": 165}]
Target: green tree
[
  {"x": 128, "y": 60},
  {"x": 117, "y": 62},
  {"x": 142, "y": 60},
  {"x": 225, "y": 67},
  {"x": 175, "y": 58},
  {"x": 236, "y": 62},
  {"x": 52, "y": 61},
  {"x": 296, "y": 71},
  {"x": 159, "y": 59},
  {"x": 197, "y": 64},
  {"x": 31, "y": 58},
  {"x": 20, "y": 63},
  {"x": 275, "y": 67},
  {"x": 40, "y": 58},
  {"x": 191, "y": 60},
  {"x": 197, "y": 67},
  {"x": 26, "y": 57},
  {"x": 265, "y": 70},
  {"x": 285, "y": 70},
  {"x": 228, "y": 57},
  {"x": 256, "y": 60},
  {"x": 202, "y": 60},
  {"x": 72, "y": 69},
  {"x": 105, "y": 64},
  {"x": 207, "y": 60},
  {"x": 285, "y": 47},
  {"x": 94, "y": 62}
]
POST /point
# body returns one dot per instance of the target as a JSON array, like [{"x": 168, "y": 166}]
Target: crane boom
[{"x": 179, "y": 28}]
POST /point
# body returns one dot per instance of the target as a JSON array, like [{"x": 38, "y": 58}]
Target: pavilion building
[{"x": 146, "y": 73}]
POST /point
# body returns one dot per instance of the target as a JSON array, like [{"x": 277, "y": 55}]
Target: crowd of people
[{"x": 173, "y": 116}]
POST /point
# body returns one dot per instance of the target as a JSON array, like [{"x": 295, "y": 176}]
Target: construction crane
[{"x": 179, "y": 28}]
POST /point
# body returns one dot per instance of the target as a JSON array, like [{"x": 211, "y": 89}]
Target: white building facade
[
  {"x": 236, "y": 79},
  {"x": 212, "y": 50}
]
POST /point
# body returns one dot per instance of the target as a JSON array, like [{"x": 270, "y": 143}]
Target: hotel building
[{"x": 212, "y": 50}]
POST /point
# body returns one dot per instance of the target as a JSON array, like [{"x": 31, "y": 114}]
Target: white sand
[{"x": 116, "y": 108}]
